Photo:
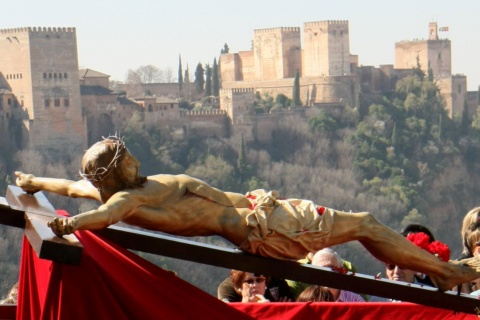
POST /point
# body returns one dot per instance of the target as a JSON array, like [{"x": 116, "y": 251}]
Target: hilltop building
[
  {"x": 325, "y": 64},
  {"x": 434, "y": 55},
  {"x": 40, "y": 83}
]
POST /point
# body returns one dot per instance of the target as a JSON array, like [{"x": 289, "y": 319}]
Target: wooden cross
[{"x": 33, "y": 211}]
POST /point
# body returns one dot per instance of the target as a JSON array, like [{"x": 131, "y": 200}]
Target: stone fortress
[{"x": 64, "y": 108}]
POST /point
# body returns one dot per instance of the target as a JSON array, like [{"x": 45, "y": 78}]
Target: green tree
[
  {"x": 296, "y": 102},
  {"x": 242, "y": 162},
  {"x": 186, "y": 78},
  {"x": 465, "y": 119},
  {"x": 208, "y": 80},
  {"x": 215, "y": 79},
  {"x": 225, "y": 49},
  {"x": 199, "y": 78},
  {"x": 180, "y": 77}
]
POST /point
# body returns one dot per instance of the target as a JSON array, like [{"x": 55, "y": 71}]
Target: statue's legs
[{"x": 391, "y": 247}]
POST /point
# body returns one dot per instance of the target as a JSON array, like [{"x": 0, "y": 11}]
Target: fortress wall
[
  {"x": 439, "y": 55},
  {"x": 326, "y": 50},
  {"x": 230, "y": 67},
  {"x": 264, "y": 126},
  {"x": 454, "y": 91},
  {"x": 291, "y": 52},
  {"x": 237, "y": 102},
  {"x": 406, "y": 53},
  {"x": 15, "y": 65},
  {"x": 247, "y": 67},
  {"x": 312, "y": 89},
  {"x": 208, "y": 124},
  {"x": 276, "y": 52}
]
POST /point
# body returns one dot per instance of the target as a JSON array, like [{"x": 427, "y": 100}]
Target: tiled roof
[{"x": 89, "y": 73}]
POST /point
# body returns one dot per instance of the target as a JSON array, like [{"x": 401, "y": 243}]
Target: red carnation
[
  {"x": 439, "y": 249},
  {"x": 420, "y": 239}
]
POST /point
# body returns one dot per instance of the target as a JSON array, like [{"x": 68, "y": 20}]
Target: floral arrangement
[{"x": 437, "y": 248}]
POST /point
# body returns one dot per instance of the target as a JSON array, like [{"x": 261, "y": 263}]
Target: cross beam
[{"x": 32, "y": 212}]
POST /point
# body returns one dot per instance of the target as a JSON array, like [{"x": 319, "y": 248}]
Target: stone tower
[
  {"x": 41, "y": 67},
  {"x": 326, "y": 50},
  {"x": 433, "y": 53},
  {"x": 276, "y": 53}
]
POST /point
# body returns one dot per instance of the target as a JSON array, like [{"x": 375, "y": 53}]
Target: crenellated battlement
[
  {"x": 326, "y": 23},
  {"x": 194, "y": 113},
  {"x": 237, "y": 90},
  {"x": 277, "y": 30},
  {"x": 38, "y": 30}
]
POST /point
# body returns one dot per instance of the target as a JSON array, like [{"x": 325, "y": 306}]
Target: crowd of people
[{"x": 242, "y": 288}]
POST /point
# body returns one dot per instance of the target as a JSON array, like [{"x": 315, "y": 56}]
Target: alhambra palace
[{"x": 48, "y": 103}]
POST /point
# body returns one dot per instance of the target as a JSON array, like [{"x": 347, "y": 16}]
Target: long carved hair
[{"x": 102, "y": 166}]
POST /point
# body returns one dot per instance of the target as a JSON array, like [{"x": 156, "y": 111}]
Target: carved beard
[{"x": 117, "y": 181}]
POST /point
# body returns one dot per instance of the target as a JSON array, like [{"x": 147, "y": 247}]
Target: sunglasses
[
  {"x": 391, "y": 267},
  {"x": 256, "y": 280}
]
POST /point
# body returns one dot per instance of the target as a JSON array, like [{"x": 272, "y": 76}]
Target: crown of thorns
[{"x": 102, "y": 172}]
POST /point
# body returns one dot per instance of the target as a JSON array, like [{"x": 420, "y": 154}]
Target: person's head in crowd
[
  {"x": 472, "y": 238},
  {"x": 397, "y": 273},
  {"x": 315, "y": 293},
  {"x": 416, "y": 228},
  {"x": 12, "y": 295},
  {"x": 423, "y": 238},
  {"x": 328, "y": 258},
  {"x": 470, "y": 223},
  {"x": 251, "y": 286}
]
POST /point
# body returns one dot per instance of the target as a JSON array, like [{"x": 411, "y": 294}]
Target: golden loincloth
[{"x": 286, "y": 229}]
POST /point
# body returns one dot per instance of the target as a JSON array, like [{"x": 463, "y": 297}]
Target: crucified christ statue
[{"x": 259, "y": 223}]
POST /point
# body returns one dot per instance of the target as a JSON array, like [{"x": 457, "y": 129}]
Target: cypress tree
[
  {"x": 296, "y": 90},
  {"x": 186, "y": 78},
  {"x": 180, "y": 77},
  {"x": 465, "y": 120},
  {"x": 199, "y": 80},
  {"x": 208, "y": 81},
  {"x": 242, "y": 162},
  {"x": 394, "y": 135},
  {"x": 215, "y": 79}
]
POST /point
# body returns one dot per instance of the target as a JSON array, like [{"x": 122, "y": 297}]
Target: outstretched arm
[
  {"x": 117, "y": 208},
  {"x": 82, "y": 188}
]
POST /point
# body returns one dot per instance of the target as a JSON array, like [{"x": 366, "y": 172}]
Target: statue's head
[{"x": 108, "y": 163}]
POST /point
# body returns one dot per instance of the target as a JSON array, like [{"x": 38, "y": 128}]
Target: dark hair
[
  {"x": 416, "y": 228},
  {"x": 315, "y": 294},
  {"x": 238, "y": 276}
]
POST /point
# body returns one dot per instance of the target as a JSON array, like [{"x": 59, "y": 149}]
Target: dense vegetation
[{"x": 398, "y": 156}]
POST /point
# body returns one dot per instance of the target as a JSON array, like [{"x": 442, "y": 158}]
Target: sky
[{"x": 115, "y": 36}]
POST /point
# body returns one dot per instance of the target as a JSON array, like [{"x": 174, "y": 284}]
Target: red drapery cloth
[
  {"x": 110, "y": 283},
  {"x": 113, "y": 283},
  {"x": 348, "y": 311}
]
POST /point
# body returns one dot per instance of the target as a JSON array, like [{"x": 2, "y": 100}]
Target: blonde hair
[{"x": 468, "y": 226}]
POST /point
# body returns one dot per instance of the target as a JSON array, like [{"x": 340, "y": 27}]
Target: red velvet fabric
[
  {"x": 110, "y": 283},
  {"x": 347, "y": 311}
]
